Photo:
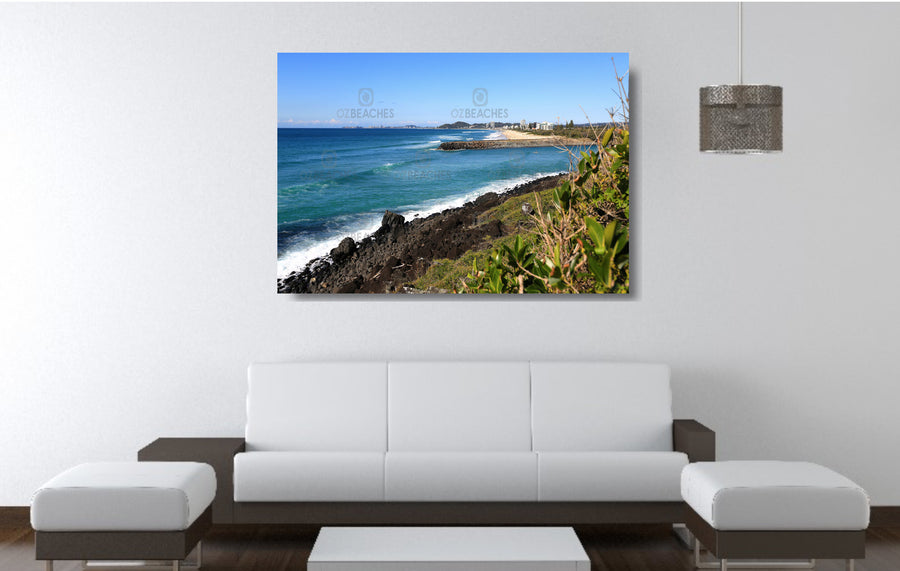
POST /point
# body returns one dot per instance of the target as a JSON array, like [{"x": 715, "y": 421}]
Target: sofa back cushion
[
  {"x": 596, "y": 407},
  {"x": 459, "y": 407},
  {"x": 326, "y": 407}
]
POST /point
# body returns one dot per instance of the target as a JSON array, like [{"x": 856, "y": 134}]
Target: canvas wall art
[{"x": 453, "y": 173}]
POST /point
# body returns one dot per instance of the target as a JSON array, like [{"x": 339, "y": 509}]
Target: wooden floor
[{"x": 270, "y": 548}]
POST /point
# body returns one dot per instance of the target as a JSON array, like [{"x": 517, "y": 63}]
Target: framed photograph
[{"x": 453, "y": 173}]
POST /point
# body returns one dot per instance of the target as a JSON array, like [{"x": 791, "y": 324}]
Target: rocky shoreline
[{"x": 401, "y": 251}]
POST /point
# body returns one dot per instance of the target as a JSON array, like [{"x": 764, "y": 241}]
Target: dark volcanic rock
[
  {"x": 488, "y": 200},
  {"x": 400, "y": 251},
  {"x": 351, "y": 286},
  {"x": 391, "y": 220},
  {"x": 344, "y": 249},
  {"x": 493, "y": 228},
  {"x": 391, "y": 225}
]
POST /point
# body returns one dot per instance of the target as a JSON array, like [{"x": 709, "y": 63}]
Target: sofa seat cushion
[
  {"x": 460, "y": 476},
  {"x": 308, "y": 476},
  {"x": 610, "y": 476},
  {"x": 769, "y": 495},
  {"x": 124, "y": 496}
]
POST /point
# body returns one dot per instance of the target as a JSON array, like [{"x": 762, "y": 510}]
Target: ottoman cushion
[
  {"x": 124, "y": 496},
  {"x": 765, "y": 495}
]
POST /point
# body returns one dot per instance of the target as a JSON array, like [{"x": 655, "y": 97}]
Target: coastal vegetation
[
  {"x": 449, "y": 274},
  {"x": 571, "y": 131},
  {"x": 574, "y": 239}
]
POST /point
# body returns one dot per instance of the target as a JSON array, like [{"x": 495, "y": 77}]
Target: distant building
[
  {"x": 545, "y": 126},
  {"x": 523, "y": 124}
]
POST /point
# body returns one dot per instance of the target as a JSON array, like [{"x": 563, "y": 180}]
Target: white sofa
[{"x": 462, "y": 442}]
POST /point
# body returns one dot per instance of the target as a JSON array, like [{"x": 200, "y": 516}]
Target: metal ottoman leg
[{"x": 723, "y": 565}]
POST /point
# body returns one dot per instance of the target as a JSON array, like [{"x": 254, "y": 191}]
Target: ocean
[{"x": 334, "y": 183}]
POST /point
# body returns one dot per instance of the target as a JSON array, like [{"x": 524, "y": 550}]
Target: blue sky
[{"x": 341, "y": 89}]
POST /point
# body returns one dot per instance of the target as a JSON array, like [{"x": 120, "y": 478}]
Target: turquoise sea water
[{"x": 334, "y": 183}]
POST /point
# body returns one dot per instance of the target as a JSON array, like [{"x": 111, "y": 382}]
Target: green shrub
[
  {"x": 579, "y": 240},
  {"x": 582, "y": 237}
]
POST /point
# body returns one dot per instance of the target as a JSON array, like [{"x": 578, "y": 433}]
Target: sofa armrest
[
  {"x": 217, "y": 452},
  {"x": 694, "y": 439}
]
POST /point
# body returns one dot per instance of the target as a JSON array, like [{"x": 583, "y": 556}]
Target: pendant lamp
[{"x": 740, "y": 118}]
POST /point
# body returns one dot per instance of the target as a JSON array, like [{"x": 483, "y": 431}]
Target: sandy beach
[{"x": 514, "y": 135}]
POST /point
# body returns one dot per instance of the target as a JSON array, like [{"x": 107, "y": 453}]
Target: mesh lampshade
[{"x": 740, "y": 118}]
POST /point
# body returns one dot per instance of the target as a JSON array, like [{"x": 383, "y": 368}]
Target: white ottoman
[
  {"x": 763, "y": 509},
  {"x": 123, "y": 510}
]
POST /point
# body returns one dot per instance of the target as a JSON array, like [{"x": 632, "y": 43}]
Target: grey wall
[{"x": 137, "y": 225}]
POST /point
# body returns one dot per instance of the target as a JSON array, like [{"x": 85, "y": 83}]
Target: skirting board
[
  {"x": 885, "y": 516},
  {"x": 15, "y": 517},
  {"x": 20, "y": 516}
]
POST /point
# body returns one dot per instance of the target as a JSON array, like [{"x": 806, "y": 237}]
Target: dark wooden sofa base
[
  {"x": 776, "y": 544},
  {"x": 457, "y": 513},
  {"x": 121, "y": 545},
  {"x": 688, "y": 436}
]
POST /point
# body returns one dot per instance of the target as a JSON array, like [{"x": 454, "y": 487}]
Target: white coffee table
[{"x": 448, "y": 549}]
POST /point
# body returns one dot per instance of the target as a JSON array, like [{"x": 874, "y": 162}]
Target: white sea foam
[
  {"x": 495, "y": 136},
  {"x": 297, "y": 259},
  {"x": 427, "y": 145},
  {"x": 430, "y": 207},
  {"x": 385, "y": 167}
]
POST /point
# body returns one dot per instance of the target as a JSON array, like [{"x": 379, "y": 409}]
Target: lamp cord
[{"x": 740, "y": 43}]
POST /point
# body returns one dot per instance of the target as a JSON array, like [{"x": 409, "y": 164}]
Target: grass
[{"x": 447, "y": 274}]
